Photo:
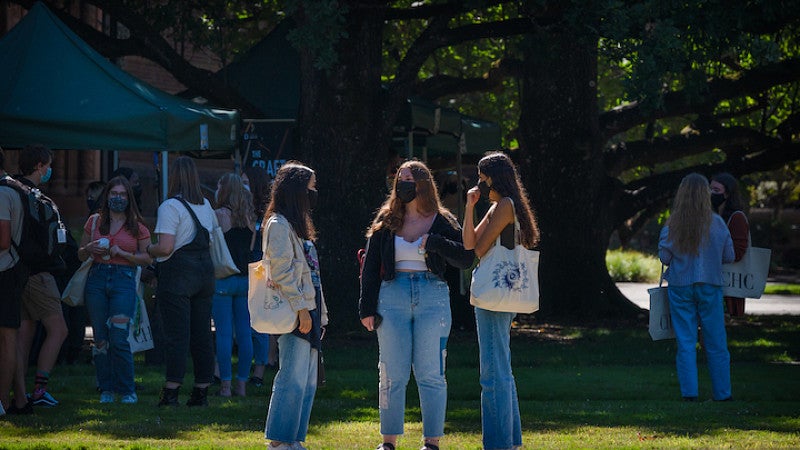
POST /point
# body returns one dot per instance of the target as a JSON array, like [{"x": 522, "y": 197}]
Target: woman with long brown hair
[
  {"x": 116, "y": 238},
  {"x": 289, "y": 236},
  {"x": 499, "y": 182},
  {"x": 405, "y": 298}
]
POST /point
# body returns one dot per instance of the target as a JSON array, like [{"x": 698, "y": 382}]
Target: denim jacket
[{"x": 444, "y": 246}]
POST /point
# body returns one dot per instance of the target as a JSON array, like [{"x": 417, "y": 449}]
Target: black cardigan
[{"x": 444, "y": 246}]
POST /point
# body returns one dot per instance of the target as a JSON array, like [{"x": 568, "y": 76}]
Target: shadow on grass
[{"x": 568, "y": 378}]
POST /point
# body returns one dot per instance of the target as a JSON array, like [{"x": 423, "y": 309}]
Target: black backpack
[{"x": 44, "y": 236}]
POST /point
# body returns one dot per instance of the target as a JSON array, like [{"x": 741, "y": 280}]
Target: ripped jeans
[
  {"x": 416, "y": 324},
  {"x": 111, "y": 294}
]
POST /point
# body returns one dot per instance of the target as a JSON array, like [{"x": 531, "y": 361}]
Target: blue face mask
[
  {"x": 117, "y": 204},
  {"x": 46, "y": 176}
]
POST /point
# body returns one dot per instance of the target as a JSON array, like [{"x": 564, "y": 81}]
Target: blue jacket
[{"x": 706, "y": 267}]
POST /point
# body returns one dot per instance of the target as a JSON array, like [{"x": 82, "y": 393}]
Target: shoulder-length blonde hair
[
  {"x": 690, "y": 219},
  {"x": 392, "y": 212},
  {"x": 184, "y": 181},
  {"x": 232, "y": 195}
]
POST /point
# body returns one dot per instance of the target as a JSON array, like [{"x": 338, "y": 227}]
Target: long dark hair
[
  {"x": 392, "y": 212},
  {"x": 734, "y": 201},
  {"x": 132, "y": 214},
  {"x": 184, "y": 181},
  {"x": 506, "y": 182},
  {"x": 289, "y": 198}
]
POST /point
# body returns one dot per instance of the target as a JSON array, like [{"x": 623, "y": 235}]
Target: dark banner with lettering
[{"x": 267, "y": 144}]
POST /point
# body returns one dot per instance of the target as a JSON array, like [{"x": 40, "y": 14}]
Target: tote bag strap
[
  {"x": 661, "y": 278},
  {"x": 264, "y": 241},
  {"x": 749, "y": 237}
]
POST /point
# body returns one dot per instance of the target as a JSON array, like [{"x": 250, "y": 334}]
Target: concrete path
[{"x": 766, "y": 305}]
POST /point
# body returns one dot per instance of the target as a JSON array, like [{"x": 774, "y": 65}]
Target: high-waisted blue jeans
[
  {"x": 500, "y": 420},
  {"x": 688, "y": 305},
  {"x": 111, "y": 292},
  {"x": 416, "y": 324},
  {"x": 293, "y": 390},
  {"x": 231, "y": 316}
]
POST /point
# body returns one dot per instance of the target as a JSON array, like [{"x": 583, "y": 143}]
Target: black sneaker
[
  {"x": 25, "y": 410},
  {"x": 256, "y": 381}
]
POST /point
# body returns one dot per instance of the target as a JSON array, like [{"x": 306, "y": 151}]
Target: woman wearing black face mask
[
  {"x": 410, "y": 243},
  {"x": 727, "y": 201}
]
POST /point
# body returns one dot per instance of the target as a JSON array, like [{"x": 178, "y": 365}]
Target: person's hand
[
  {"x": 369, "y": 323},
  {"x": 116, "y": 251},
  {"x": 94, "y": 248},
  {"x": 305, "y": 321},
  {"x": 473, "y": 195}
]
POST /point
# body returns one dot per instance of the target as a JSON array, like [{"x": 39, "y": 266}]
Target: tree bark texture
[
  {"x": 562, "y": 167},
  {"x": 342, "y": 138}
]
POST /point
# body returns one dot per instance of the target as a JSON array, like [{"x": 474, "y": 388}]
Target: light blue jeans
[
  {"x": 231, "y": 315},
  {"x": 416, "y": 324},
  {"x": 111, "y": 292},
  {"x": 500, "y": 420},
  {"x": 292, "y": 390},
  {"x": 688, "y": 305}
]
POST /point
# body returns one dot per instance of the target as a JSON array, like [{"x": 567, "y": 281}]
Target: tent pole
[{"x": 164, "y": 162}]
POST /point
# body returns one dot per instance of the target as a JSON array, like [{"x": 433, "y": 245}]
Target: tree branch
[
  {"x": 660, "y": 150},
  {"x": 443, "y": 85},
  {"x": 679, "y": 103},
  {"x": 647, "y": 191}
]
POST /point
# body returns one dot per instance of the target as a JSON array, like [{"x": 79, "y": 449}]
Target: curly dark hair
[{"x": 289, "y": 198}]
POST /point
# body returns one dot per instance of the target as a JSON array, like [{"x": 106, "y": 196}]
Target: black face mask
[
  {"x": 406, "y": 191},
  {"x": 484, "y": 189},
  {"x": 312, "y": 198},
  {"x": 92, "y": 205},
  {"x": 717, "y": 200}
]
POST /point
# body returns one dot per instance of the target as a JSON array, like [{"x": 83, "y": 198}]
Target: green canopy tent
[{"x": 56, "y": 90}]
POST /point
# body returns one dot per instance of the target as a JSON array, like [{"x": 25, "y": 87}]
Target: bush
[{"x": 628, "y": 265}]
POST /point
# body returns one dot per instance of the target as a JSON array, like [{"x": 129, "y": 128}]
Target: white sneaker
[
  {"x": 129, "y": 399},
  {"x": 298, "y": 446},
  {"x": 282, "y": 446},
  {"x": 107, "y": 397}
]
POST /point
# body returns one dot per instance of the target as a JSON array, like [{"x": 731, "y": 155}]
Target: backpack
[{"x": 44, "y": 236}]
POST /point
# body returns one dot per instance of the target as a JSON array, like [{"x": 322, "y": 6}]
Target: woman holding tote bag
[
  {"x": 288, "y": 244},
  {"x": 500, "y": 183},
  {"x": 726, "y": 199},
  {"x": 116, "y": 238},
  {"x": 695, "y": 243}
]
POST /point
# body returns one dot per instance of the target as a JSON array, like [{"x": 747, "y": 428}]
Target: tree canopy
[{"x": 606, "y": 104}]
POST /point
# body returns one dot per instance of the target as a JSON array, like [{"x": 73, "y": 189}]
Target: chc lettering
[{"x": 738, "y": 280}]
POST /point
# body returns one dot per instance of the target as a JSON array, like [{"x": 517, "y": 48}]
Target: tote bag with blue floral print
[{"x": 507, "y": 280}]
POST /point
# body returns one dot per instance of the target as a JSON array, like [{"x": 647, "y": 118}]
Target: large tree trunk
[
  {"x": 345, "y": 142},
  {"x": 563, "y": 172}
]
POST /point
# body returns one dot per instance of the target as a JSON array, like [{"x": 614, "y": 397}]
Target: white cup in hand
[{"x": 104, "y": 243}]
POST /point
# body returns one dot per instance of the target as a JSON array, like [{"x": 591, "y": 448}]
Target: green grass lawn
[{"x": 587, "y": 387}]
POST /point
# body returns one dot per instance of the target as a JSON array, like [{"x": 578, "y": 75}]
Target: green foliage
[
  {"x": 321, "y": 30},
  {"x": 628, "y": 265},
  {"x": 597, "y": 386},
  {"x": 782, "y": 289}
]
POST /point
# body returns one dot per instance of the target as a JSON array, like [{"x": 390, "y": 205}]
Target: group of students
[{"x": 404, "y": 297}]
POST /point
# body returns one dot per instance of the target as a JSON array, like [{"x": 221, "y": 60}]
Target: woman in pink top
[{"x": 116, "y": 238}]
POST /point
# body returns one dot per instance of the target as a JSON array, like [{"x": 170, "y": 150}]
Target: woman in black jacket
[{"x": 405, "y": 298}]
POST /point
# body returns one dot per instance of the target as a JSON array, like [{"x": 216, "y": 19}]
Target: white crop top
[{"x": 407, "y": 256}]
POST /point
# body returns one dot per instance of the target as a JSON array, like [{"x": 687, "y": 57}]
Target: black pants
[{"x": 185, "y": 290}]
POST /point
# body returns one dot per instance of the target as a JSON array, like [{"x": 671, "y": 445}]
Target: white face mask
[{"x": 246, "y": 187}]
